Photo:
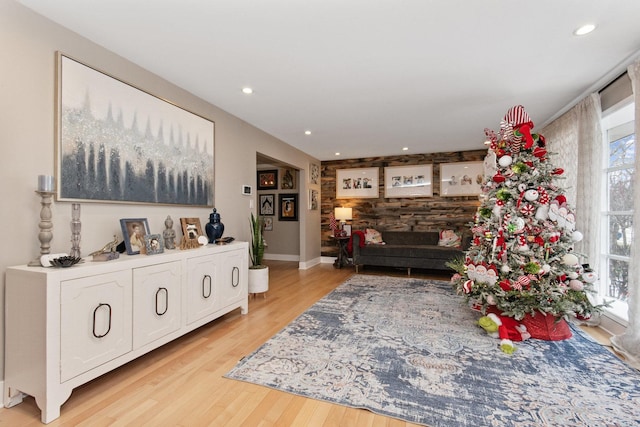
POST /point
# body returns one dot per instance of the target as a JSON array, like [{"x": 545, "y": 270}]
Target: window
[{"x": 617, "y": 226}]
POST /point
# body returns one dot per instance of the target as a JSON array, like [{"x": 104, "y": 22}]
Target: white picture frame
[
  {"x": 408, "y": 181},
  {"x": 314, "y": 174},
  {"x": 267, "y": 222},
  {"x": 461, "y": 179},
  {"x": 357, "y": 183},
  {"x": 314, "y": 199}
]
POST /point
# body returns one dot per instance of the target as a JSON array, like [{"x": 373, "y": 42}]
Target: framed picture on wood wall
[
  {"x": 357, "y": 183},
  {"x": 408, "y": 181},
  {"x": 461, "y": 179}
]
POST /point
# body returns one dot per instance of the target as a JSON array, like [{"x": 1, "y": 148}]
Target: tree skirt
[
  {"x": 546, "y": 327},
  {"x": 541, "y": 326}
]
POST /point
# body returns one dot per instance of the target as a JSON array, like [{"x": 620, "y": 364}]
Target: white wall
[{"x": 28, "y": 44}]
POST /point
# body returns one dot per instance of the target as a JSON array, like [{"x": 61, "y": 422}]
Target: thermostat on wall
[{"x": 247, "y": 190}]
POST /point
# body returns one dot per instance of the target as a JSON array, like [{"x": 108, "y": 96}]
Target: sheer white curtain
[
  {"x": 576, "y": 137},
  {"x": 629, "y": 343}
]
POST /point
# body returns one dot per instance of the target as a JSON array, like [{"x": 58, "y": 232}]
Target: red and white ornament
[
  {"x": 467, "y": 286},
  {"x": 527, "y": 209},
  {"x": 522, "y": 244}
]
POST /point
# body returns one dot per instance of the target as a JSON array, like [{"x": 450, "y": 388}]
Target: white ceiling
[{"x": 368, "y": 77}]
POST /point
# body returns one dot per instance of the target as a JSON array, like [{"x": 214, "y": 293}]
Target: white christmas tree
[{"x": 521, "y": 261}]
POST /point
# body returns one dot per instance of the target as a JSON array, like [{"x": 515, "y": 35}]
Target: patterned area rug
[{"x": 410, "y": 349}]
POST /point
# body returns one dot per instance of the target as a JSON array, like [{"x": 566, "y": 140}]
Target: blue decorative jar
[{"x": 214, "y": 227}]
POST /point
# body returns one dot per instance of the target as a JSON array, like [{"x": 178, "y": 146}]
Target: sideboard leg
[
  {"x": 50, "y": 407},
  {"x": 12, "y": 400}
]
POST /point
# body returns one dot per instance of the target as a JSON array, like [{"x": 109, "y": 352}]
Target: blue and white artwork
[{"x": 117, "y": 143}]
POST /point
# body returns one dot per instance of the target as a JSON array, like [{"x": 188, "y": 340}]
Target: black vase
[{"x": 214, "y": 227}]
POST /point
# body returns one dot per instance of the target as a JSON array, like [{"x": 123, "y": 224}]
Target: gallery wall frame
[
  {"x": 408, "y": 181},
  {"x": 314, "y": 174},
  {"x": 288, "y": 204},
  {"x": 117, "y": 143},
  {"x": 267, "y": 204},
  {"x": 133, "y": 232},
  {"x": 314, "y": 199},
  {"x": 461, "y": 179},
  {"x": 357, "y": 183},
  {"x": 288, "y": 178},
  {"x": 267, "y": 179}
]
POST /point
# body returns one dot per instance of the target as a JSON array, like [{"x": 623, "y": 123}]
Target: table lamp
[{"x": 343, "y": 215}]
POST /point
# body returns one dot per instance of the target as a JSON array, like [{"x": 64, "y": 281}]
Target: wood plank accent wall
[{"x": 398, "y": 214}]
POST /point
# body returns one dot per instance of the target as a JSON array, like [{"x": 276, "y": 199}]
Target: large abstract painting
[{"x": 117, "y": 143}]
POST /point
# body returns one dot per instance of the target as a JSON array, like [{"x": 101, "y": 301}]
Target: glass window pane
[
  {"x": 620, "y": 234},
  {"x": 622, "y": 151},
  {"x": 620, "y": 190},
  {"x": 618, "y": 280}
]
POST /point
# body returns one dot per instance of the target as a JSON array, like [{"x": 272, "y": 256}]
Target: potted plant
[{"x": 258, "y": 272}]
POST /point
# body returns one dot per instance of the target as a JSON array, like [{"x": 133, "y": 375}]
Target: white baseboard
[
  {"x": 2, "y": 388},
  {"x": 281, "y": 257},
  {"x": 328, "y": 259},
  {"x": 308, "y": 264},
  {"x": 611, "y": 325}
]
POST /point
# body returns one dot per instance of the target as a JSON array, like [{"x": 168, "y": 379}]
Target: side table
[{"x": 343, "y": 253}]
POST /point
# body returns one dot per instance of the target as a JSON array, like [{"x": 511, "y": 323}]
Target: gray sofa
[{"x": 407, "y": 249}]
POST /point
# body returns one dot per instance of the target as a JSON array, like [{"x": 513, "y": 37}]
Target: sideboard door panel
[
  {"x": 95, "y": 324},
  {"x": 156, "y": 301},
  {"x": 202, "y": 289},
  {"x": 232, "y": 281}
]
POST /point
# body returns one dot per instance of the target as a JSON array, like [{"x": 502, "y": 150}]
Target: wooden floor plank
[{"x": 182, "y": 384}]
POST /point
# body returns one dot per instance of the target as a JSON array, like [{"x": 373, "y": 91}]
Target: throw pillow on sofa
[
  {"x": 450, "y": 239},
  {"x": 372, "y": 237}
]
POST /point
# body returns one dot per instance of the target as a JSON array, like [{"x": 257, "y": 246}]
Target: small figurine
[
  {"x": 107, "y": 252},
  {"x": 169, "y": 234}
]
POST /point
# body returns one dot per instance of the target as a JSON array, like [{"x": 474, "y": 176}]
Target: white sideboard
[{"x": 67, "y": 326}]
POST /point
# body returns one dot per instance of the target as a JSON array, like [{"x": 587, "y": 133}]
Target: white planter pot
[{"x": 258, "y": 280}]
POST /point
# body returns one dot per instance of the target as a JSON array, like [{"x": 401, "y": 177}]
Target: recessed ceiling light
[
  {"x": 585, "y": 29},
  {"x": 337, "y": 154},
  {"x": 307, "y": 132},
  {"x": 405, "y": 148},
  {"x": 247, "y": 90}
]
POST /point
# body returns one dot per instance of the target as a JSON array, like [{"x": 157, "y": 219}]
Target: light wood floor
[{"x": 182, "y": 384}]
